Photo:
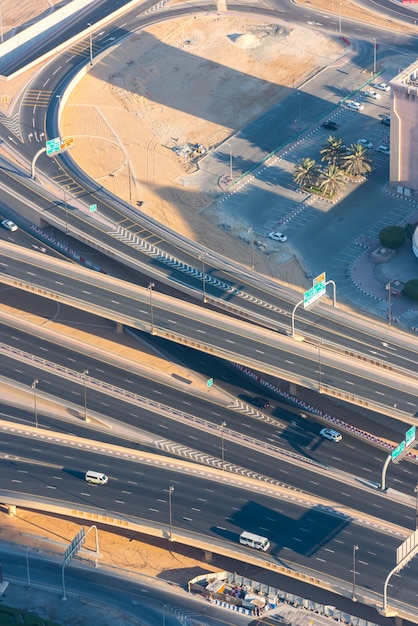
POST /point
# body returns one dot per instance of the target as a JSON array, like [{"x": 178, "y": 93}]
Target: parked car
[
  {"x": 276, "y": 236},
  {"x": 332, "y": 435},
  {"x": 366, "y": 143},
  {"x": 330, "y": 125},
  {"x": 9, "y": 225},
  {"x": 383, "y": 149},
  {"x": 356, "y": 106},
  {"x": 262, "y": 403},
  {"x": 382, "y": 86},
  {"x": 386, "y": 121},
  {"x": 373, "y": 94}
]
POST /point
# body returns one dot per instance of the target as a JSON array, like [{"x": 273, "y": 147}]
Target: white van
[
  {"x": 96, "y": 478},
  {"x": 254, "y": 541}
]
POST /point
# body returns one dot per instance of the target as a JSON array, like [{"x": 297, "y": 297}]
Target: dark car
[
  {"x": 262, "y": 403},
  {"x": 330, "y": 125},
  {"x": 386, "y": 121}
]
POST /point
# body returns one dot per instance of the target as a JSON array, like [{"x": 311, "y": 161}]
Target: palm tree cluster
[{"x": 340, "y": 162}]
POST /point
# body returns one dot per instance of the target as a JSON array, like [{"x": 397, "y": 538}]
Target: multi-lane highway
[
  {"x": 209, "y": 331},
  {"x": 131, "y": 395},
  {"x": 307, "y": 537}
]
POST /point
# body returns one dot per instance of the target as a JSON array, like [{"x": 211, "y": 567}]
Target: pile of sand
[{"x": 247, "y": 41}]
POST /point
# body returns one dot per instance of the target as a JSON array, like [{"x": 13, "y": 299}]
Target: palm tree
[
  {"x": 306, "y": 173},
  {"x": 333, "y": 151},
  {"x": 332, "y": 180},
  {"x": 357, "y": 162}
]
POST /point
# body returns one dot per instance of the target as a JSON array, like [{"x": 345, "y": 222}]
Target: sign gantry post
[
  {"x": 399, "y": 452},
  {"x": 317, "y": 291},
  {"x": 52, "y": 147}
]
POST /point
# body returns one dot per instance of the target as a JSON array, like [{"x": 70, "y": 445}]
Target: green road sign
[
  {"x": 93, "y": 208},
  {"x": 313, "y": 294},
  {"x": 210, "y": 382},
  {"x": 58, "y": 144},
  {"x": 410, "y": 435},
  {"x": 53, "y": 146},
  {"x": 398, "y": 450},
  {"x": 317, "y": 290}
]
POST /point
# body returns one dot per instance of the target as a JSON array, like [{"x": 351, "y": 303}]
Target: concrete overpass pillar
[
  {"x": 11, "y": 509},
  {"x": 293, "y": 389},
  {"x": 208, "y": 556},
  {"x": 119, "y": 328}
]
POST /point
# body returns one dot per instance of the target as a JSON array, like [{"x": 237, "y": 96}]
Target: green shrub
[
  {"x": 392, "y": 237},
  {"x": 411, "y": 289},
  {"x": 409, "y": 230}
]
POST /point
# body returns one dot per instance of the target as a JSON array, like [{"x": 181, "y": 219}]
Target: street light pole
[
  {"x": 416, "y": 506},
  {"x": 66, "y": 210},
  {"x": 355, "y": 548},
  {"x": 251, "y": 231},
  {"x": 374, "y": 56},
  {"x": 35, "y": 382},
  {"x": 319, "y": 368},
  {"x": 223, "y": 424},
  {"x": 202, "y": 258},
  {"x": 91, "y": 44},
  {"x": 389, "y": 289},
  {"x": 170, "y": 492},
  {"x": 150, "y": 288},
  {"x": 339, "y": 21},
  {"x": 85, "y": 373},
  {"x": 130, "y": 182}
]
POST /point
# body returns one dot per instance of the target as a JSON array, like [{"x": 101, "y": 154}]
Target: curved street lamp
[
  {"x": 251, "y": 231},
  {"x": 353, "y": 597},
  {"x": 90, "y": 43},
  {"x": 150, "y": 288},
  {"x": 170, "y": 492},
  {"x": 223, "y": 424},
  {"x": 202, "y": 258},
  {"x": 35, "y": 382},
  {"x": 85, "y": 373}
]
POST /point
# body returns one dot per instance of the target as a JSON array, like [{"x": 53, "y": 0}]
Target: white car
[
  {"x": 383, "y": 149},
  {"x": 373, "y": 94},
  {"x": 9, "y": 225},
  {"x": 332, "y": 435},
  {"x": 357, "y": 106},
  {"x": 382, "y": 86},
  {"x": 366, "y": 143},
  {"x": 278, "y": 236}
]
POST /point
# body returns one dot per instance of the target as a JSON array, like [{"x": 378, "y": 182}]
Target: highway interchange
[{"x": 304, "y": 536}]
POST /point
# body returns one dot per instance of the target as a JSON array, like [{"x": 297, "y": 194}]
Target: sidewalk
[{"x": 372, "y": 279}]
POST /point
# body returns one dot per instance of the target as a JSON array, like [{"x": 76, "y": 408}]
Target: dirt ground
[
  {"x": 172, "y": 86},
  {"x": 192, "y": 81},
  {"x": 188, "y": 81},
  {"x": 134, "y": 553}
]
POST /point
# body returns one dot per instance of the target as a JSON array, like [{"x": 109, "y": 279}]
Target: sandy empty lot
[{"x": 169, "y": 87}]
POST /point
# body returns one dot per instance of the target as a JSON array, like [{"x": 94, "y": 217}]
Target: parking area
[{"x": 270, "y": 200}]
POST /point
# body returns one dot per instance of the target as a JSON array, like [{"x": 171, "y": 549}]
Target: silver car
[
  {"x": 9, "y": 225},
  {"x": 276, "y": 236},
  {"x": 332, "y": 435},
  {"x": 356, "y": 106}
]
